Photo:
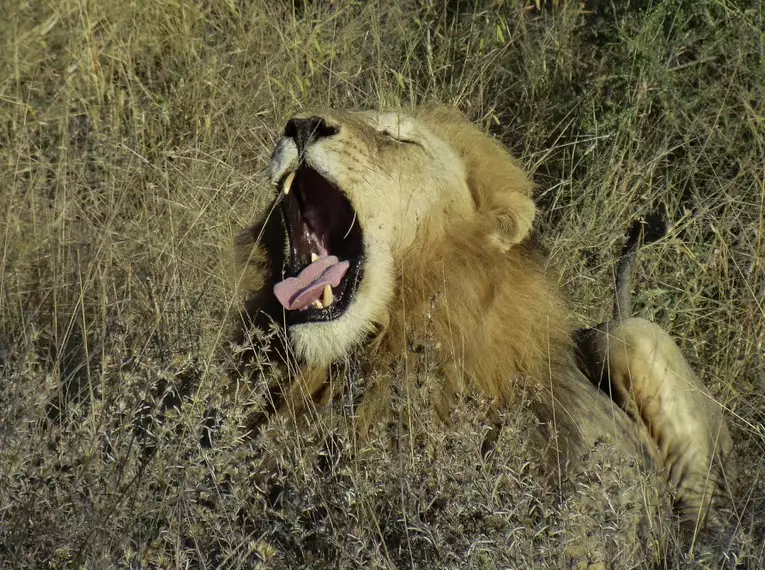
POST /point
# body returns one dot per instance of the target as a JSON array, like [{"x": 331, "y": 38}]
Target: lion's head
[{"x": 359, "y": 192}]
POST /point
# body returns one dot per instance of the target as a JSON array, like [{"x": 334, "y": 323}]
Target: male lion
[{"x": 392, "y": 234}]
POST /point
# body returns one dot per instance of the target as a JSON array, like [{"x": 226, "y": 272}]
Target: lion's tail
[{"x": 645, "y": 230}]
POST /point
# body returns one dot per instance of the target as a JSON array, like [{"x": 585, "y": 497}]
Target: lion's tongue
[{"x": 299, "y": 292}]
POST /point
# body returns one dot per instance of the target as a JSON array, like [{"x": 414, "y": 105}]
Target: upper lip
[{"x": 296, "y": 232}]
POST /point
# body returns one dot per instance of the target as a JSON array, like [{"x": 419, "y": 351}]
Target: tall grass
[{"x": 133, "y": 141}]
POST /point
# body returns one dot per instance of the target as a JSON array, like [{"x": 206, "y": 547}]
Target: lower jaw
[
  {"x": 344, "y": 297},
  {"x": 296, "y": 318}
]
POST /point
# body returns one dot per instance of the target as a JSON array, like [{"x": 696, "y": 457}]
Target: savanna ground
[{"x": 133, "y": 140}]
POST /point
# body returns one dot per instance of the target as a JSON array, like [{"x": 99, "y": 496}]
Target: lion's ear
[
  {"x": 514, "y": 215},
  {"x": 499, "y": 185},
  {"x": 502, "y": 191}
]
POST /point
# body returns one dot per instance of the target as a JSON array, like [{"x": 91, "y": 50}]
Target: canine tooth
[
  {"x": 327, "y": 298},
  {"x": 288, "y": 183},
  {"x": 314, "y": 257}
]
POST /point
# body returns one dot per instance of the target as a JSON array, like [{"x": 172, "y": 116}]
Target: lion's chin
[{"x": 319, "y": 343}]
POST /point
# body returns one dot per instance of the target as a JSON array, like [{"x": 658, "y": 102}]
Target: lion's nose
[{"x": 306, "y": 131}]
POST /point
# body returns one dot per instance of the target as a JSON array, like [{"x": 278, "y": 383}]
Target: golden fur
[
  {"x": 451, "y": 272},
  {"x": 650, "y": 379}
]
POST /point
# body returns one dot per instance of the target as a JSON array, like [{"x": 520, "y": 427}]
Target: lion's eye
[{"x": 398, "y": 138}]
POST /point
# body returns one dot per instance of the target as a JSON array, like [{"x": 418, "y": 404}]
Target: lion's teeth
[
  {"x": 327, "y": 298},
  {"x": 314, "y": 257},
  {"x": 288, "y": 183},
  {"x": 317, "y": 304}
]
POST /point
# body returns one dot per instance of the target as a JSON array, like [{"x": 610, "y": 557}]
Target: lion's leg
[{"x": 647, "y": 375}]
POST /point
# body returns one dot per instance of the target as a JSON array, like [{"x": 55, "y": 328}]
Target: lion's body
[
  {"x": 450, "y": 273},
  {"x": 498, "y": 327}
]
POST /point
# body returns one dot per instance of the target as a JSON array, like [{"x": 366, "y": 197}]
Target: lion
[{"x": 394, "y": 233}]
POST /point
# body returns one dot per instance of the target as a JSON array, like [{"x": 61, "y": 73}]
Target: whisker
[{"x": 353, "y": 221}]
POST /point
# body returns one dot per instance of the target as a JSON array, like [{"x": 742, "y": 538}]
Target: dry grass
[{"x": 133, "y": 138}]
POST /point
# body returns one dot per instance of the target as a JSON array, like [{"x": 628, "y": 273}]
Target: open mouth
[{"x": 323, "y": 266}]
